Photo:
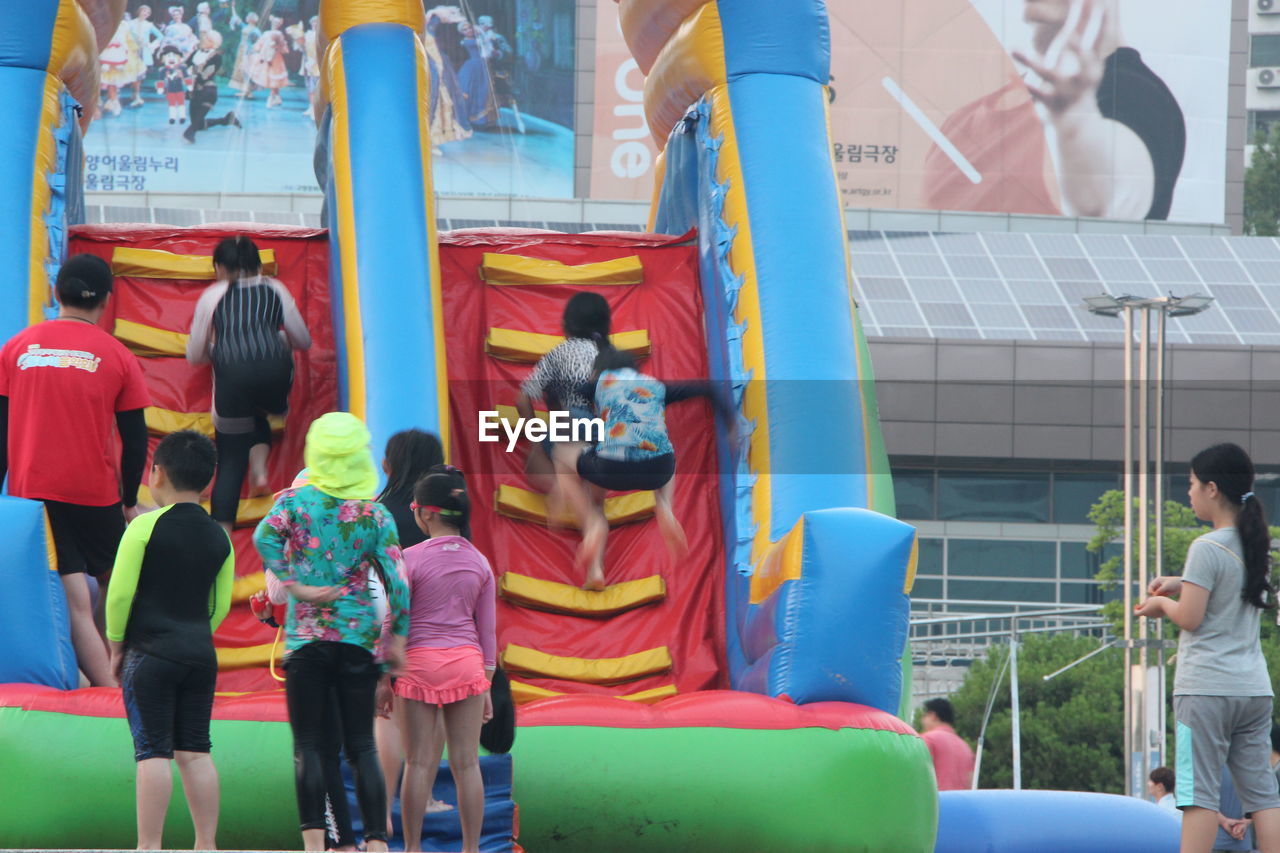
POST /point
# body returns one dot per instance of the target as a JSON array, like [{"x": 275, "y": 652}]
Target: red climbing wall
[
  {"x": 668, "y": 305},
  {"x": 168, "y": 304}
]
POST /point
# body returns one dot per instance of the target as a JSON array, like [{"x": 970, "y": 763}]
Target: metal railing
[{"x": 947, "y": 635}]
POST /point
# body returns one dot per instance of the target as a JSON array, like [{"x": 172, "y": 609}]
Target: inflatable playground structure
[{"x": 749, "y": 698}]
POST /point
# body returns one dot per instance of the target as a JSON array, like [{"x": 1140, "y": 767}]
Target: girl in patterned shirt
[
  {"x": 324, "y": 541},
  {"x": 635, "y": 455},
  {"x": 559, "y": 376}
]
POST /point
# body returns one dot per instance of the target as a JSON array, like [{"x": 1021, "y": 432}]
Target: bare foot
[
  {"x": 595, "y": 580},
  {"x": 591, "y": 550},
  {"x": 672, "y": 532}
]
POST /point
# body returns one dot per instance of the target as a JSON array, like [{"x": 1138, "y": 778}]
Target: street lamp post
[{"x": 1144, "y": 682}]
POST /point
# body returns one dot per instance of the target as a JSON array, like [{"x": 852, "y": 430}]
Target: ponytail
[
  {"x": 1255, "y": 539},
  {"x": 445, "y": 487},
  {"x": 1229, "y": 468}
]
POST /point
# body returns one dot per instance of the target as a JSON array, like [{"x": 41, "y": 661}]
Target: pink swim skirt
[{"x": 442, "y": 676}]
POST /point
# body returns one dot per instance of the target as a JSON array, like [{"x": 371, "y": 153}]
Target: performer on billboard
[
  {"x": 1117, "y": 134},
  {"x": 311, "y": 63},
  {"x": 204, "y": 19},
  {"x": 148, "y": 37},
  {"x": 122, "y": 65},
  {"x": 267, "y": 71},
  {"x": 173, "y": 83},
  {"x": 227, "y": 21},
  {"x": 498, "y": 53},
  {"x": 205, "y": 65},
  {"x": 179, "y": 34},
  {"x": 477, "y": 85},
  {"x": 448, "y": 119},
  {"x": 249, "y": 37}
]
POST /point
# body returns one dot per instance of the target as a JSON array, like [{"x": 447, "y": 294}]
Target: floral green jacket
[{"x": 312, "y": 538}]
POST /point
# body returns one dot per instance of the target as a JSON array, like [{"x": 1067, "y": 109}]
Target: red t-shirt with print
[{"x": 65, "y": 380}]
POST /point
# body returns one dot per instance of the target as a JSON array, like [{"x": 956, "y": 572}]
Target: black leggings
[
  {"x": 244, "y": 393},
  {"x": 233, "y": 465},
  {"x": 315, "y": 676}
]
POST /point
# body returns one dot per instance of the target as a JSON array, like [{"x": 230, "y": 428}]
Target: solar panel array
[{"x": 1009, "y": 286}]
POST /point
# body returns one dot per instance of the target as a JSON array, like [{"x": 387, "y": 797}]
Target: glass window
[
  {"x": 927, "y": 588},
  {"x": 1264, "y": 50},
  {"x": 988, "y": 496},
  {"x": 1261, "y": 121},
  {"x": 1039, "y": 593},
  {"x": 1004, "y": 558},
  {"x": 929, "y": 560},
  {"x": 1078, "y": 564},
  {"x": 913, "y": 490},
  {"x": 1088, "y": 593},
  {"x": 1074, "y": 494}
]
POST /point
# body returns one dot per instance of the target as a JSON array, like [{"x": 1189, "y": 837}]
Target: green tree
[
  {"x": 1072, "y": 726},
  {"x": 1262, "y": 186},
  {"x": 1180, "y": 529}
]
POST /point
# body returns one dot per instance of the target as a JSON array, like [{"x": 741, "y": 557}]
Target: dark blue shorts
[{"x": 168, "y": 705}]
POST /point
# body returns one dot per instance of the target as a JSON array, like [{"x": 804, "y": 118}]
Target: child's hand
[
  {"x": 315, "y": 594},
  {"x": 1152, "y": 608}
]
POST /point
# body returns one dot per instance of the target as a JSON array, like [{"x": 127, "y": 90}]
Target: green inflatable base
[{"x": 68, "y": 781}]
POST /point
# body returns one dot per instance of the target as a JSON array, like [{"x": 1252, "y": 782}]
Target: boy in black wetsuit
[{"x": 170, "y": 589}]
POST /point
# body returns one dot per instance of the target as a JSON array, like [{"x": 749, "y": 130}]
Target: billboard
[
  {"x": 216, "y": 96},
  {"x": 1075, "y": 107}
]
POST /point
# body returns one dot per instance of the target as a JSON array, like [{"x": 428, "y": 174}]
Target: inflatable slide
[{"x": 744, "y": 698}]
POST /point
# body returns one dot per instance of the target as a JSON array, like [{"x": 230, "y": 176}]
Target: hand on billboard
[{"x": 1071, "y": 67}]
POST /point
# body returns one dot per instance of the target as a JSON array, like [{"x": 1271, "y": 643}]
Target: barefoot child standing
[
  {"x": 170, "y": 589},
  {"x": 1222, "y": 696}
]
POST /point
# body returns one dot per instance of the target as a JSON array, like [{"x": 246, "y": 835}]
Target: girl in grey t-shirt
[{"x": 1222, "y": 697}]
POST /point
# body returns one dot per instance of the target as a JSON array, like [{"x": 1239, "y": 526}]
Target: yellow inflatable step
[
  {"x": 522, "y": 692},
  {"x": 562, "y": 598},
  {"x": 150, "y": 342},
  {"x": 247, "y": 656},
  {"x": 155, "y": 263},
  {"x": 525, "y": 505},
  {"x": 246, "y": 586},
  {"x": 590, "y": 670},
  {"x": 528, "y": 347},
  {"x": 250, "y": 512},
  {"x": 166, "y": 421},
  {"x": 519, "y": 270}
]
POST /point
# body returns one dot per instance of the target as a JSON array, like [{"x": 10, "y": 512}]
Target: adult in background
[
  {"x": 206, "y": 64},
  {"x": 952, "y": 756},
  {"x": 247, "y": 325},
  {"x": 66, "y": 386},
  {"x": 325, "y": 542},
  {"x": 1160, "y": 785}
]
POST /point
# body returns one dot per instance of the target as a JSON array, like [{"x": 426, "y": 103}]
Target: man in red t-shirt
[
  {"x": 952, "y": 756},
  {"x": 65, "y": 385}
]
